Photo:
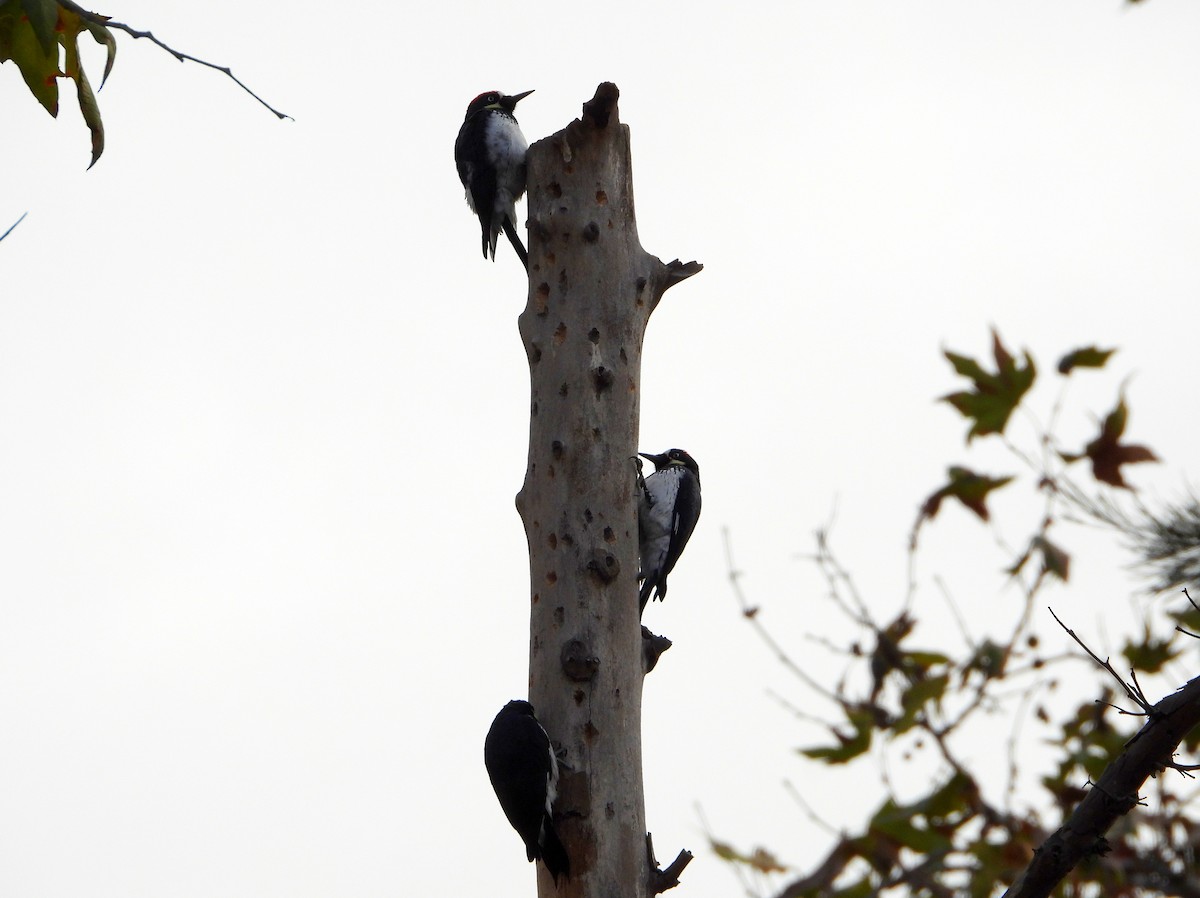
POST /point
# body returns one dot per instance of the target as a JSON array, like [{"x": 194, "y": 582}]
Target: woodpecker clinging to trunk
[
  {"x": 490, "y": 156},
  {"x": 523, "y": 769},
  {"x": 668, "y": 509}
]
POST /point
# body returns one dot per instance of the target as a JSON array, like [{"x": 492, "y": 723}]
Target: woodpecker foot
[
  {"x": 560, "y": 755},
  {"x": 662, "y": 880},
  {"x": 640, "y": 481}
]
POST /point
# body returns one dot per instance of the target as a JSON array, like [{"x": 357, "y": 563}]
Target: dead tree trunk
[{"x": 591, "y": 291}]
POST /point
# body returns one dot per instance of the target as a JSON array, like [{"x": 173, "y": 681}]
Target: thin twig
[
  {"x": 751, "y": 614},
  {"x": 835, "y": 574},
  {"x": 808, "y": 810},
  {"x": 1014, "y": 736},
  {"x": 1135, "y": 697},
  {"x": 22, "y": 218},
  {"x": 795, "y": 711},
  {"x": 954, "y": 610},
  {"x": 104, "y": 22}
]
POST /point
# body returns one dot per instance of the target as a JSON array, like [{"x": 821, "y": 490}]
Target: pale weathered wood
[{"x": 591, "y": 291}]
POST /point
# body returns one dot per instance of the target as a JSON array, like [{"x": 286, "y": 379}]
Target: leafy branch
[
  {"x": 34, "y": 33},
  {"x": 106, "y": 22},
  {"x": 953, "y": 839}
]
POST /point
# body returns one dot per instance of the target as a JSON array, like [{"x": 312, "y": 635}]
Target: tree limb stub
[
  {"x": 591, "y": 291},
  {"x": 663, "y": 880}
]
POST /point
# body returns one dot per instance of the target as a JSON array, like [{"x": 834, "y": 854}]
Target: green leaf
[
  {"x": 72, "y": 26},
  {"x": 1151, "y": 655},
  {"x": 103, "y": 36},
  {"x": 39, "y": 67},
  {"x": 1188, "y": 618},
  {"x": 1087, "y": 357},
  {"x": 967, "y": 487},
  {"x": 33, "y": 33},
  {"x": 724, "y": 850},
  {"x": 995, "y": 396},
  {"x": 43, "y": 16},
  {"x": 925, "y": 660},
  {"x": 761, "y": 859},
  {"x": 989, "y": 658},
  {"x": 899, "y": 823},
  {"x": 1054, "y": 560},
  {"x": 957, "y": 798},
  {"x": 916, "y": 697},
  {"x": 850, "y": 746}
]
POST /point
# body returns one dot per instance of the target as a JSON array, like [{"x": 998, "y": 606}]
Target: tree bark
[{"x": 591, "y": 291}]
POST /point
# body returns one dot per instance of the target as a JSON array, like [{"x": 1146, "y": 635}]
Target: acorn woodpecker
[
  {"x": 490, "y": 155},
  {"x": 524, "y": 772},
  {"x": 668, "y": 509}
]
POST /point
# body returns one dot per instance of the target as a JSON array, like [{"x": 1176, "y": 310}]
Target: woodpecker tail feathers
[
  {"x": 554, "y": 855},
  {"x": 654, "y": 581},
  {"x": 515, "y": 239}
]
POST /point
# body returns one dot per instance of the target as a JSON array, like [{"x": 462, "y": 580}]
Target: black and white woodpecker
[
  {"x": 490, "y": 156},
  {"x": 668, "y": 509},
  {"x": 523, "y": 769}
]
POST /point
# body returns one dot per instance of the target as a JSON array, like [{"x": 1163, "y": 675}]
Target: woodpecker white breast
[
  {"x": 668, "y": 509},
  {"x": 506, "y": 149},
  {"x": 490, "y": 156}
]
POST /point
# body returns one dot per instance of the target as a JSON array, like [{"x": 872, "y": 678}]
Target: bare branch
[
  {"x": 823, "y": 877},
  {"x": 751, "y": 614},
  {"x": 105, "y": 22},
  {"x": 13, "y": 225},
  {"x": 661, "y": 880},
  {"x": 1114, "y": 794},
  {"x": 1135, "y": 694},
  {"x": 811, "y": 814}
]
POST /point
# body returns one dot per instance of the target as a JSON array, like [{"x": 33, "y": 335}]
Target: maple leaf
[
  {"x": 37, "y": 35},
  {"x": 967, "y": 487},
  {"x": 995, "y": 396},
  {"x": 1108, "y": 453},
  {"x": 1086, "y": 357},
  {"x": 1055, "y": 560}
]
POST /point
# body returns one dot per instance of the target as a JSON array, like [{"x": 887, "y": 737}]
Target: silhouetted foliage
[{"x": 899, "y": 696}]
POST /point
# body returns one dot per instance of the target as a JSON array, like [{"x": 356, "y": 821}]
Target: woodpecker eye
[{"x": 493, "y": 98}]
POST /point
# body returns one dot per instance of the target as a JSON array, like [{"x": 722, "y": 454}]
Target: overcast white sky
[{"x": 263, "y": 406}]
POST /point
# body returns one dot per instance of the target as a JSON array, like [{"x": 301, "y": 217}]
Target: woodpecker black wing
[
  {"x": 683, "y": 521},
  {"x": 524, "y": 772},
  {"x": 667, "y": 515},
  {"x": 478, "y": 179}
]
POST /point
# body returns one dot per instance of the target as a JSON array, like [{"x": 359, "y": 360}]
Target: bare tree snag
[{"x": 591, "y": 291}]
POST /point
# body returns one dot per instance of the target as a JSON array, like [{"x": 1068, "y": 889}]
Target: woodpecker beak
[
  {"x": 659, "y": 460},
  {"x": 510, "y": 103}
]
